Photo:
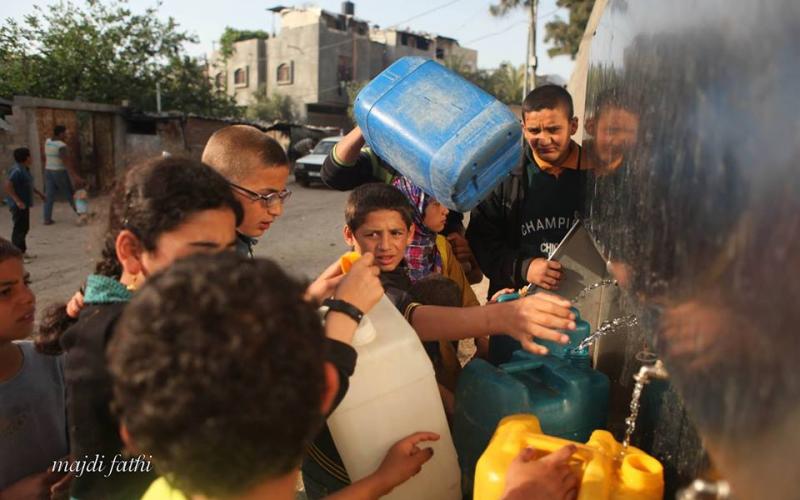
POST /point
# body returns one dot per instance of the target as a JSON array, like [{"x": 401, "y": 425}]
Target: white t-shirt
[{"x": 52, "y": 148}]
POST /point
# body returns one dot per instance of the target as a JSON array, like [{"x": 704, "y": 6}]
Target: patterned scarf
[{"x": 422, "y": 256}]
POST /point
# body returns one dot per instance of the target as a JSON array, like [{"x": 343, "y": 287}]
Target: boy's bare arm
[
  {"x": 13, "y": 194},
  {"x": 540, "y": 315},
  {"x": 348, "y": 149}
]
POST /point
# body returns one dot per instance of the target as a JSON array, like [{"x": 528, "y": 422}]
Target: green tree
[
  {"x": 507, "y": 82},
  {"x": 353, "y": 88},
  {"x": 270, "y": 108},
  {"x": 566, "y": 36},
  {"x": 101, "y": 51},
  {"x": 232, "y": 35}
]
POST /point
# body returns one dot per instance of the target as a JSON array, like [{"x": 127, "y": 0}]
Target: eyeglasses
[{"x": 269, "y": 200}]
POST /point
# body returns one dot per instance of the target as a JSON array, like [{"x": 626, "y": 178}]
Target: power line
[
  {"x": 489, "y": 35},
  {"x": 495, "y": 33},
  {"x": 434, "y": 9}
]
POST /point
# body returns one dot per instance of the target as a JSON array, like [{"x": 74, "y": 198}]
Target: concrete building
[
  {"x": 314, "y": 57},
  {"x": 318, "y": 53},
  {"x": 241, "y": 74}
]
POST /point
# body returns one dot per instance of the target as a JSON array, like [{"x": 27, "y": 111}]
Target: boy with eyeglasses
[{"x": 257, "y": 169}]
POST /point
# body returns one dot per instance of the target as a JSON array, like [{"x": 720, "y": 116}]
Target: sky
[{"x": 469, "y": 21}]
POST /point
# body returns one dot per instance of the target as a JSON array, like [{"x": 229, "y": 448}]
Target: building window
[
  {"x": 240, "y": 77},
  {"x": 439, "y": 53},
  {"x": 423, "y": 44},
  {"x": 219, "y": 80},
  {"x": 285, "y": 75},
  {"x": 344, "y": 70}
]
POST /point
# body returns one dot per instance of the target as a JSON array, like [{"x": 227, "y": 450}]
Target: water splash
[
  {"x": 630, "y": 422},
  {"x": 607, "y": 327},
  {"x": 643, "y": 377},
  {"x": 583, "y": 293}
]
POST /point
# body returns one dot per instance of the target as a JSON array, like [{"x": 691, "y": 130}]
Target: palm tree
[{"x": 507, "y": 82}]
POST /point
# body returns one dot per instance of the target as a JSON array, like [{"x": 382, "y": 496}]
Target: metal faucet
[{"x": 646, "y": 372}]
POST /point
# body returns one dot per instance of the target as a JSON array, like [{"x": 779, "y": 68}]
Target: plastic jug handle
[{"x": 521, "y": 366}]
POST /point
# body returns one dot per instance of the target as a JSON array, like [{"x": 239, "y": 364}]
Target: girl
[
  {"x": 430, "y": 252},
  {"x": 163, "y": 210}
]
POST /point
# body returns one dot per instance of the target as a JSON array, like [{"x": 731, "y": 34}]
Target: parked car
[{"x": 307, "y": 168}]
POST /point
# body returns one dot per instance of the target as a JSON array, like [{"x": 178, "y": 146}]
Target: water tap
[{"x": 647, "y": 372}]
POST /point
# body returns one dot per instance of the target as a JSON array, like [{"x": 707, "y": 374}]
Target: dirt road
[{"x": 304, "y": 241}]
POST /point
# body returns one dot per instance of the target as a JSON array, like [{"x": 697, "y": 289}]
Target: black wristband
[{"x": 344, "y": 308}]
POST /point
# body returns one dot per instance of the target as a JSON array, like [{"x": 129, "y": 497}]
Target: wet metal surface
[{"x": 693, "y": 127}]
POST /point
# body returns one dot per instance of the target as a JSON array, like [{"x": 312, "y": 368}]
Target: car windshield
[{"x": 323, "y": 148}]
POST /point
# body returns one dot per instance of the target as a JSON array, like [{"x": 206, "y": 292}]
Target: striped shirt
[{"x": 51, "y": 150}]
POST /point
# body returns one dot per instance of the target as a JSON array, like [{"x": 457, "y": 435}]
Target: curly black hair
[
  {"x": 155, "y": 197},
  {"x": 218, "y": 373}
]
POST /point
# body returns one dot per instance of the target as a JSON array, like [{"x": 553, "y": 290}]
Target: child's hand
[
  {"x": 544, "y": 273},
  {"x": 33, "y": 487},
  {"x": 461, "y": 247},
  {"x": 75, "y": 305},
  {"x": 548, "y": 478},
  {"x": 403, "y": 461},
  {"x": 362, "y": 285},
  {"x": 539, "y": 315},
  {"x": 498, "y": 293},
  {"x": 60, "y": 489},
  {"x": 325, "y": 284}
]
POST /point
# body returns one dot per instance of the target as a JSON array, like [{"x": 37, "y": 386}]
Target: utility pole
[{"x": 530, "y": 56}]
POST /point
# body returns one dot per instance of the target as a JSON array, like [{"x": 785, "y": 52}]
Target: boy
[
  {"x": 379, "y": 221},
  {"x": 351, "y": 163},
  {"x": 513, "y": 231},
  {"x": 19, "y": 188},
  {"x": 614, "y": 128},
  {"x": 33, "y": 427},
  {"x": 257, "y": 169},
  {"x": 248, "y": 381}
]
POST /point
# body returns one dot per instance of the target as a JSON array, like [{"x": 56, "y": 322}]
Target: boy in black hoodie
[{"x": 513, "y": 231}]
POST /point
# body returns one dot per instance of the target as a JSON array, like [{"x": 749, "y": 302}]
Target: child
[
  {"x": 614, "y": 127},
  {"x": 351, "y": 163},
  {"x": 429, "y": 252},
  {"x": 32, "y": 415},
  {"x": 379, "y": 221},
  {"x": 513, "y": 231},
  {"x": 162, "y": 211},
  {"x": 249, "y": 383},
  {"x": 82, "y": 205},
  {"x": 257, "y": 169},
  {"x": 19, "y": 188}
]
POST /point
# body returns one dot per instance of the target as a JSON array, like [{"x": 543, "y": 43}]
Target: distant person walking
[
  {"x": 57, "y": 170},
  {"x": 19, "y": 190}
]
